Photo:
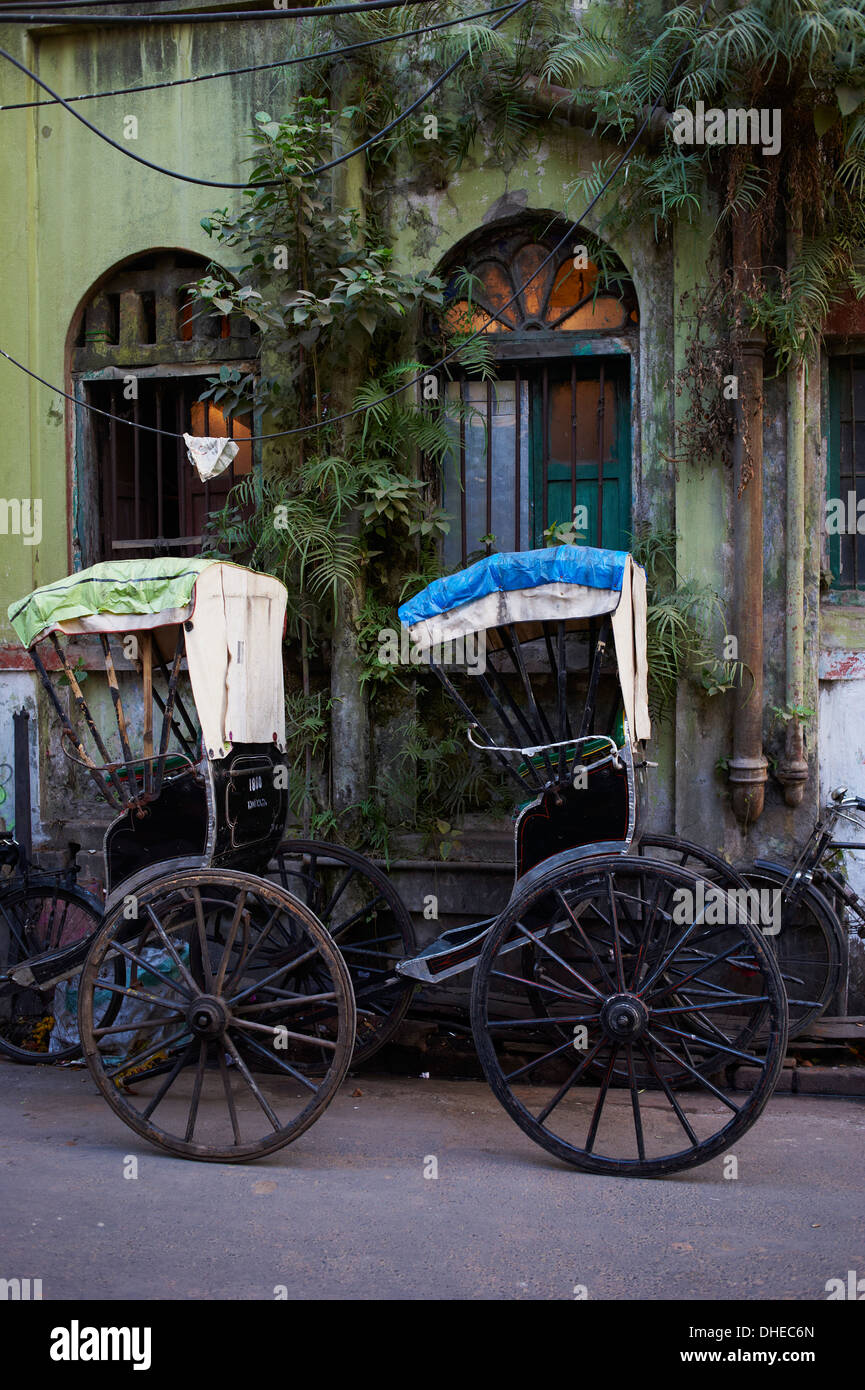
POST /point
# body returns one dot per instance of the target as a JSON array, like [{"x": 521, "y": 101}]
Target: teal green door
[{"x": 580, "y": 450}]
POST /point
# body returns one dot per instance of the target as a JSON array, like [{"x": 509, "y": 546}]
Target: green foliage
[
  {"x": 804, "y": 57},
  {"x": 786, "y": 713},
  {"x": 680, "y": 615}
]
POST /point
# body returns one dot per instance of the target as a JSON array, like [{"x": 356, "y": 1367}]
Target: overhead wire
[
  {"x": 455, "y": 351},
  {"x": 263, "y": 183},
  {"x": 259, "y": 67},
  {"x": 23, "y": 15}
]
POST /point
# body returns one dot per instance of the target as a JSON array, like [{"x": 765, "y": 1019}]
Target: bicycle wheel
[
  {"x": 810, "y": 947},
  {"x": 367, "y": 919},
  {"x": 237, "y": 1021},
  {"x": 641, "y": 987},
  {"x": 34, "y": 919}
]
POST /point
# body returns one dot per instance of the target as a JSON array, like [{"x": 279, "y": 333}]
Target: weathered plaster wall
[{"x": 73, "y": 208}]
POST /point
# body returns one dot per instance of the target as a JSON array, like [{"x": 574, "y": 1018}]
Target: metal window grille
[
  {"x": 497, "y": 479},
  {"x": 148, "y": 496},
  {"x": 849, "y": 443}
]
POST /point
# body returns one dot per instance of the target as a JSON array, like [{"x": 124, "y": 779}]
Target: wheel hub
[
  {"x": 207, "y": 1016},
  {"x": 624, "y": 1017}
]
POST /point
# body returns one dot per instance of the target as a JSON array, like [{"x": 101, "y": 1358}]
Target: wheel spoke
[
  {"x": 715, "y": 1046},
  {"x": 284, "y": 1032},
  {"x": 196, "y": 1091},
  {"x": 135, "y": 1027},
  {"x": 169, "y": 1080},
  {"x": 292, "y": 965},
  {"x": 550, "y": 1106},
  {"x": 695, "y": 974},
  {"x": 696, "y": 1074},
  {"x": 229, "y": 1096},
  {"x": 599, "y": 1103},
  {"x": 139, "y": 1057},
  {"x": 548, "y": 950},
  {"x": 229, "y": 942},
  {"x": 602, "y": 969},
  {"x": 55, "y": 935},
  {"x": 247, "y": 959},
  {"x": 337, "y": 932},
  {"x": 14, "y": 931},
  {"x": 250, "y": 1081},
  {"x": 140, "y": 994},
  {"x": 201, "y": 927},
  {"x": 149, "y": 969},
  {"x": 617, "y": 942},
  {"x": 545, "y": 1022},
  {"x": 680, "y": 1114},
  {"x": 284, "y": 1000},
  {"x": 280, "y": 1062},
  {"x": 635, "y": 1104},
  {"x": 328, "y": 909},
  {"x": 169, "y": 946},
  {"x": 559, "y": 990},
  {"x": 645, "y": 936},
  {"x": 719, "y": 1004},
  {"x": 529, "y": 1066}
]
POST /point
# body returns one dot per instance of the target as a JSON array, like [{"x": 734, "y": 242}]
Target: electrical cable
[
  {"x": 449, "y": 357},
  {"x": 28, "y": 17},
  {"x": 259, "y": 67},
  {"x": 263, "y": 183}
]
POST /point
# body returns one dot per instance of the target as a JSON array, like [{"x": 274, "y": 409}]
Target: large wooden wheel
[
  {"x": 639, "y": 996},
  {"x": 369, "y": 922},
  {"x": 237, "y": 1021}
]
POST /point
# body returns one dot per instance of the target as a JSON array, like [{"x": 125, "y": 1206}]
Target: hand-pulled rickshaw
[{"x": 218, "y": 1008}]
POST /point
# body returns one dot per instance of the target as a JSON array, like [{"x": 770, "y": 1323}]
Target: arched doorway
[{"x": 549, "y": 443}]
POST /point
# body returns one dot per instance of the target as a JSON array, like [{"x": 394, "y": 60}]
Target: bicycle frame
[{"x": 808, "y": 866}]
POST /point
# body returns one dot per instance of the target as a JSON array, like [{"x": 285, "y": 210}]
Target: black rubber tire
[
  {"x": 689, "y": 855},
  {"x": 579, "y": 888},
  {"x": 380, "y": 1009},
  {"x": 24, "y": 924},
  {"x": 715, "y": 870},
  {"x": 811, "y": 950},
  {"x": 222, "y": 920}
]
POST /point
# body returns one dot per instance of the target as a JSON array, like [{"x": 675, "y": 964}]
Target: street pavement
[{"x": 347, "y": 1213}]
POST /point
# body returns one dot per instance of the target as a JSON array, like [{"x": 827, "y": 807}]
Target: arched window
[
  {"x": 141, "y": 352},
  {"x": 549, "y": 442}
]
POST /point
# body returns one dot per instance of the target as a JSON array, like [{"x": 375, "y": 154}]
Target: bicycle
[
  {"x": 40, "y": 910},
  {"x": 812, "y": 943}
]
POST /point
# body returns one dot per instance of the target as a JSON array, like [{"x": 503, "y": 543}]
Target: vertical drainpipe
[
  {"x": 350, "y": 713},
  {"x": 793, "y": 767},
  {"x": 748, "y": 767}
]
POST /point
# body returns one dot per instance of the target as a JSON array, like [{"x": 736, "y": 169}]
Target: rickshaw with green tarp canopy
[{"x": 205, "y": 980}]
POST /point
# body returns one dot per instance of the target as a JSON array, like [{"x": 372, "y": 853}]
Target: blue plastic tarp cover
[
  {"x": 114, "y": 586},
  {"x": 522, "y": 569}
]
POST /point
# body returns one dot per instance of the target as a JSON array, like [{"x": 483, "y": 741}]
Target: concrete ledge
[
  {"x": 830, "y": 1081},
  {"x": 811, "y": 1081}
]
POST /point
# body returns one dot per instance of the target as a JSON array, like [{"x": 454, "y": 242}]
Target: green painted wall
[{"x": 73, "y": 208}]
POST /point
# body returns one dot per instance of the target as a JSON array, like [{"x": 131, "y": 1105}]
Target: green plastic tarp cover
[{"x": 115, "y": 586}]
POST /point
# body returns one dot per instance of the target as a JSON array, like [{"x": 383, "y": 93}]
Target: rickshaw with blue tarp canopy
[{"x": 605, "y": 988}]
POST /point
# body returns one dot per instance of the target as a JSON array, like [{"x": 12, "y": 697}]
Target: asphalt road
[{"x": 346, "y": 1212}]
